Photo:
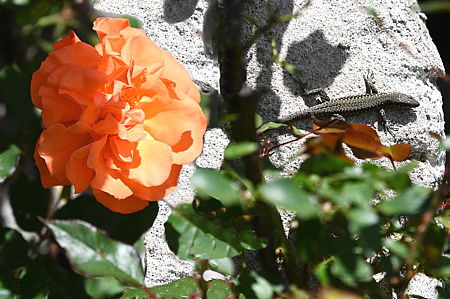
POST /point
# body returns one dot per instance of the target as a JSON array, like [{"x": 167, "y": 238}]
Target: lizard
[{"x": 372, "y": 100}]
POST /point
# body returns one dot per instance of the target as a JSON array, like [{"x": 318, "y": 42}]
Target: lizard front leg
[
  {"x": 369, "y": 82},
  {"x": 320, "y": 92}
]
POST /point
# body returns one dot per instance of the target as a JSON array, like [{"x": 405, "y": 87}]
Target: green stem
[
  {"x": 202, "y": 284},
  {"x": 64, "y": 197},
  {"x": 427, "y": 218},
  {"x": 242, "y": 102}
]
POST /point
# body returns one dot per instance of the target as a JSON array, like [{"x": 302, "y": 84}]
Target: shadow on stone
[
  {"x": 178, "y": 10},
  {"x": 318, "y": 61},
  {"x": 270, "y": 103}
]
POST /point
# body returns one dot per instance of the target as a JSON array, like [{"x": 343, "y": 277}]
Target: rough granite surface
[{"x": 333, "y": 43}]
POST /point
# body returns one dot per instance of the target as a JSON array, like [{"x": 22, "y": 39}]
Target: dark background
[{"x": 438, "y": 24}]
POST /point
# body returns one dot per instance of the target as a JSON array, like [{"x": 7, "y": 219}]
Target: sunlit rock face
[{"x": 333, "y": 43}]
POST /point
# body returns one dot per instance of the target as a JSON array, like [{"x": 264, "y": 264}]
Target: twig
[
  {"x": 242, "y": 101},
  {"x": 64, "y": 197},
  {"x": 427, "y": 218}
]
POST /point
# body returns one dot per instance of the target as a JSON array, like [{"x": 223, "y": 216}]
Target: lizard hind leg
[
  {"x": 369, "y": 82},
  {"x": 320, "y": 93},
  {"x": 384, "y": 123}
]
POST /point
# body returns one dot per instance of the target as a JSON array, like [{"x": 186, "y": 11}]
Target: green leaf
[
  {"x": 297, "y": 131},
  {"x": 270, "y": 126},
  {"x": 443, "y": 292},
  {"x": 205, "y": 103},
  {"x": 216, "y": 185},
  {"x": 237, "y": 173},
  {"x": 134, "y": 293},
  {"x": 253, "y": 285},
  {"x": 45, "y": 278},
  {"x": 410, "y": 202},
  {"x": 397, "y": 248},
  {"x": 192, "y": 236},
  {"x": 209, "y": 102},
  {"x": 288, "y": 195},
  {"x": 358, "y": 193},
  {"x": 365, "y": 224},
  {"x": 6, "y": 293},
  {"x": 218, "y": 289},
  {"x": 223, "y": 265},
  {"x": 442, "y": 268},
  {"x": 181, "y": 288},
  {"x": 127, "y": 228},
  {"x": 351, "y": 270},
  {"x": 15, "y": 93},
  {"x": 348, "y": 264},
  {"x": 94, "y": 254},
  {"x": 371, "y": 11},
  {"x": 36, "y": 10},
  {"x": 435, "y": 6},
  {"x": 397, "y": 180},
  {"x": 13, "y": 249},
  {"x": 13, "y": 258},
  {"x": 313, "y": 240},
  {"x": 324, "y": 164},
  {"x": 258, "y": 120},
  {"x": 290, "y": 68},
  {"x": 435, "y": 242},
  {"x": 322, "y": 272},
  {"x": 103, "y": 287},
  {"x": 28, "y": 200},
  {"x": 241, "y": 149},
  {"x": 8, "y": 161},
  {"x": 134, "y": 22},
  {"x": 444, "y": 218},
  {"x": 445, "y": 144}
]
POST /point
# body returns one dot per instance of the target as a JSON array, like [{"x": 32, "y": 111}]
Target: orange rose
[{"x": 120, "y": 118}]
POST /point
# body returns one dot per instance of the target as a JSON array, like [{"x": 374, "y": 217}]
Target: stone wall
[{"x": 333, "y": 43}]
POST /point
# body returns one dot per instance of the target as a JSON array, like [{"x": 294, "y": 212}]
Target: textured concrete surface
[{"x": 333, "y": 43}]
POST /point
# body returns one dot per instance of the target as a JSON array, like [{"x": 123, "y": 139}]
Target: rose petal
[
  {"x": 77, "y": 171},
  {"x": 82, "y": 83},
  {"x": 47, "y": 180},
  {"x": 189, "y": 147},
  {"x": 186, "y": 136},
  {"x": 59, "y": 109},
  {"x": 39, "y": 77},
  {"x": 69, "y": 40},
  {"x": 157, "y": 192},
  {"x": 109, "y": 26},
  {"x": 155, "y": 162},
  {"x": 122, "y": 150},
  {"x": 140, "y": 50},
  {"x": 77, "y": 54},
  {"x": 175, "y": 72},
  {"x": 95, "y": 152},
  {"x": 122, "y": 117},
  {"x": 133, "y": 134},
  {"x": 109, "y": 181},
  {"x": 105, "y": 179},
  {"x": 124, "y": 206},
  {"x": 113, "y": 67},
  {"x": 56, "y": 145},
  {"x": 108, "y": 125}
]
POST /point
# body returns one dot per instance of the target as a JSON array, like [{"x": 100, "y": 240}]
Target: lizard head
[{"x": 403, "y": 99}]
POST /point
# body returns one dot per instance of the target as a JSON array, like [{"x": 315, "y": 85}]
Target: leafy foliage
[
  {"x": 349, "y": 221},
  {"x": 127, "y": 228},
  {"x": 32, "y": 265},
  {"x": 194, "y": 237},
  {"x": 93, "y": 254},
  {"x": 8, "y": 161}
]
